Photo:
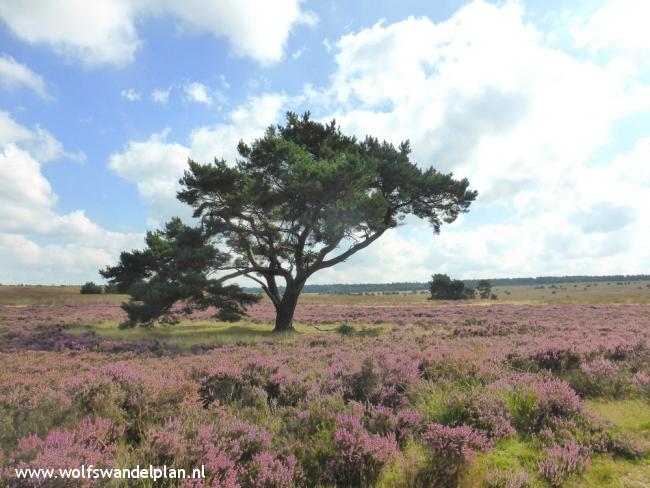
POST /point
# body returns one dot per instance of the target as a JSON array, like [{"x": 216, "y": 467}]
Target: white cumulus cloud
[
  {"x": 131, "y": 95},
  {"x": 103, "y": 32},
  {"x": 483, "y": 95},
  {"x": 75, "y": 246},
  {"x": 160, "y": 96},
  {"x": 13, "y": 74},
  {"x": 621, "y": 24},
  {"x": 198, "y": 92}
]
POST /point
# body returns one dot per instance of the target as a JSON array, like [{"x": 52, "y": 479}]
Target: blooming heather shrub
[
  {"x": 641, "y": 382},
  {"x": 599, "y": 367},
  {"x": 556, "y": 399},
  {"x": 360, "y": 385},
  {"x": 622, "y": 445},
  {"x": 121, "y": 392},
  {"x": 560, "y": 462},
  {"x": 483, "y": 410},
  {"x": 256, "y": 382},
  {"x": 635, "y": 354},
  {"x": 359, "y": 456},
  {"x": 298, "y": 389},
  {"x": 537, "y": 405},
  {"x": 408, "y": 424},
  {"x": 287, "y": 389},
  {"x": 91, "y": 442},
  {"x": 453, "y": 370},
  {"x": 551, "y": 358},
  {"x": 228, "y": 385},
  {"x": 234, "y": 453},
  {"x": 509, "y": 479},
  {"x": 450, "y": 450},
  {"x": 269, "y": 471},
  {"x": 599, "y": 377},
  {"x": 403, "y": 424},
  {"x": 385, "y": 381},
  {"x": 501, "y": 328},
  {"x": 258, "y": 370},
  {"x": 28, "y": 410}
]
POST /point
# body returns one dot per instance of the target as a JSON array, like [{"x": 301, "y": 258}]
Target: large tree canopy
[{"x": 302, "y": 198}]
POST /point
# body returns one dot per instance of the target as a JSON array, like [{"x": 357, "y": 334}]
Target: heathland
[{"x": 545, "y": 386}]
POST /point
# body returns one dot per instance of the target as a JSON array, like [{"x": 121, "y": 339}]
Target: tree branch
[
  {"x": 235, "y": 274},
  {"x": 275, "y": 299},
  {"x": 343, "y": 256}
]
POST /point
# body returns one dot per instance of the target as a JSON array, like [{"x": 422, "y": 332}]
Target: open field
[
  {"x": 589, "y": 292},
  {"x": 525, "y": 392}
]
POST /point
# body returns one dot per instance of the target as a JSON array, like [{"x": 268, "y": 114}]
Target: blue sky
[{"x": 544, "y": 106}]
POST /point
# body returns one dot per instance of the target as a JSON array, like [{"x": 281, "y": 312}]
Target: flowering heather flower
[
  {"x": 91, "y": 442},
  {"x": 557, "y": 399},
  {"x": 562, "y": 461},
  {"x": 235, "y": 453},
  {"x": 358, "y": 456},
  {"x": 451, "y": 449},
  {"x": 642, "y": 382},
  {"x": 481, "y": 409},
  {"x": 454, "y": 443},
  {"x": 268, "y": 471},
  {"x": 600, "y": 368},
  {"x": 313, "y": 396},
  {"x": 510, "y": 479}
]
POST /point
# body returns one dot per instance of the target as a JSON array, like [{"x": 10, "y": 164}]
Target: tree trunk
[{"x": 285, "y": 310}]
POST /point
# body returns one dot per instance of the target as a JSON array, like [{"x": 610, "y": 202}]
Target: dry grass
[
  {"x": 594, "y": 292},
  {"x": 50, "y": 295}
]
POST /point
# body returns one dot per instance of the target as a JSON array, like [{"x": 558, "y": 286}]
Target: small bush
[
  {"x": 90, "y": 288},
  {"x": 509, "y": 479},
  {"x": 540, "y": 405},
  {"x": 556, "y": 360},
  {"x": 481, "y": 410},
  {"x": 599, "y": 378},
  {"x": 641, "y": 382},
  {"x": 359, "y": 386},
  {"x": 345, "y": 330},
  {"x": 359, "y": 456},
  {"x": 451, "y": 449},
  {"x": 230, "y": 387},
  {"x": 562, "y": 461}
]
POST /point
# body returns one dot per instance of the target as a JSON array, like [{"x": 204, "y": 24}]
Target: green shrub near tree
[{"x": 90, "y": 288}]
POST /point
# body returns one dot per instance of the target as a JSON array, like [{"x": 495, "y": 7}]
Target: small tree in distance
[
  {"x": 484, "y": 289},
  {"x": 90, "y": 288},
  {"x": 302, "y": 198},
  {"x": 442, "y": 287}
]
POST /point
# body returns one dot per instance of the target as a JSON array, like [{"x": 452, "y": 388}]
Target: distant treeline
[{"x": 348, "y": 289}]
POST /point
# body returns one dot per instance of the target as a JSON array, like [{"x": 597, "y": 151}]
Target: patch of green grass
[
  {"x": 189, "y": 333},
  {"x": 631, "y": 415},
  {"x": 431, "y": 403},
  {"x": 404, "y": 474},
  {"x": 607, "y": 472},
  {"x": 514, "y": 454}
]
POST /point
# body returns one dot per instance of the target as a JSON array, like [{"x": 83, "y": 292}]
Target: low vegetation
[{"x": 402, "y": 395}]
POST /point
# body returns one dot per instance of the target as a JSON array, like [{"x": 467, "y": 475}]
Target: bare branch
[{"x": 343, "y": 256}]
